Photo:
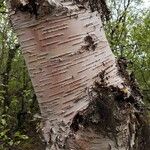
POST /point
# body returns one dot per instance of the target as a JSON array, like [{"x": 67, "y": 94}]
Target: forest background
[{"x": 128, "y": 32}]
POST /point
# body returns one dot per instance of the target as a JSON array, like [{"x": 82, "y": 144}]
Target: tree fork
[{"x": 87, "y": 99}]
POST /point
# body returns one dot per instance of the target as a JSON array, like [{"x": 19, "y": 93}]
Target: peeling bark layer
[
  {"x": 44, "y": 7},
  {"x": 81, "y": 107}
]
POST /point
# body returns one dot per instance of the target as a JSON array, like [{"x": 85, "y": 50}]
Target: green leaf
[{"x": 3, "y": 122}]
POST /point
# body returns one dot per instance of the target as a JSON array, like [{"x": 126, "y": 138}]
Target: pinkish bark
[{"x": 64, "y": 53}]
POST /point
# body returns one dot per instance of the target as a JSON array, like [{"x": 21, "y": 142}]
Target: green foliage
[
  {"x": 128, "y": 32},
  {"x": 5, "y": 139},
  {"x": 17, "y": 100}
]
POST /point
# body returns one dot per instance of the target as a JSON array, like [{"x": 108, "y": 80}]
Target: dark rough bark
[
  {"x": 38, "y": 7},
  {"x": 65, "y": 49}
]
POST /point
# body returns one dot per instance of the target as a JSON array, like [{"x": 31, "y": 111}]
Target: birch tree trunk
[{"x": 87, "y": 99}]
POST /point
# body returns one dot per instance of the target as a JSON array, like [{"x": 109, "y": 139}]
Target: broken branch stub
[{"x": 65, "y": 50}]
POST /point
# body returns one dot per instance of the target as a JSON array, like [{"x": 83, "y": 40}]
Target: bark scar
[{"x": 90, "y": 43}]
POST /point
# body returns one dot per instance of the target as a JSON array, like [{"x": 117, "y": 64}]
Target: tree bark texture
[{"x": 85, "y": 95}]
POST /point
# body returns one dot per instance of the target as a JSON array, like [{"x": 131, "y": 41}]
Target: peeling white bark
[{"x": 64, "y": 53}]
